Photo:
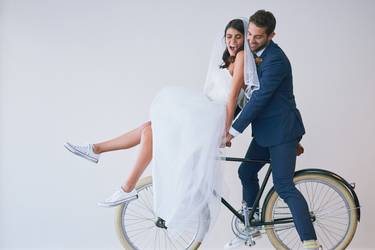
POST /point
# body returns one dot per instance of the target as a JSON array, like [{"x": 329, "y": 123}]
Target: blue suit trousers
[{"x": 283, "y": 160}]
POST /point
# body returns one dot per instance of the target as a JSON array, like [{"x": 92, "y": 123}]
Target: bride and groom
[{"x": 249, "y": 80}]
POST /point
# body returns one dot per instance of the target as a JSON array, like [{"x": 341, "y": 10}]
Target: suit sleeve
[{"x": 272, "y": 76}]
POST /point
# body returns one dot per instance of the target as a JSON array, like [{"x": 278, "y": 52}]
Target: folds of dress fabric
[{"x": 187, "y": 132}]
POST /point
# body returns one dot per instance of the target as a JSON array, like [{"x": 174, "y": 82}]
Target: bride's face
[
  {"x": 257, "y": 37},
  {"x": 234, "y": 40}
]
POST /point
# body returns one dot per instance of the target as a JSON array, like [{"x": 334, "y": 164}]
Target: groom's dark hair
[{"x": 264, "y": 19}]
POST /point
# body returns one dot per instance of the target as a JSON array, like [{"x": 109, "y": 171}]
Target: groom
[{"x": 276, "y": 125}]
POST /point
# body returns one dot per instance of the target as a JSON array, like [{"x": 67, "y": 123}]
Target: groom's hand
[{"x": 299, "y": 149}]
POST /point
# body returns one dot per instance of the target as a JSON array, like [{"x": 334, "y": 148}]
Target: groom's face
[{"x": 257, "y": 37}]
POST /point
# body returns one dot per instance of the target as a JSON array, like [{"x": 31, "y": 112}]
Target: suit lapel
[
  {"x": 268, "y": 48},
  {"x": 263, "y": 56}
]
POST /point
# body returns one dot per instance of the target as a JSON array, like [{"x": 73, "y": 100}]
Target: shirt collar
[{"x": 259, "y": 53}]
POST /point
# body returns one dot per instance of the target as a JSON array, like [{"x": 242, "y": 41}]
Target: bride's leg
[
  {"x": 125, "y": 141},
  {"x": 144, "y": 158}
]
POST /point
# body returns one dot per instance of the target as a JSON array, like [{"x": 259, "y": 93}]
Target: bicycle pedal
[
  {"x": 256, "y": 235},
  {"x": 250, "y": 242}
]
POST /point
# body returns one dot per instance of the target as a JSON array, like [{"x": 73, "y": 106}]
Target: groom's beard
[{"x": 261, "y": 47}]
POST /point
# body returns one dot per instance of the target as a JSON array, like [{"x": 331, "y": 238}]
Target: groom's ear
[{"x": 269, "y": 38}]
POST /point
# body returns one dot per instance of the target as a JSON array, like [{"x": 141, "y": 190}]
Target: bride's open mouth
[{"x": 233, "y": 48}]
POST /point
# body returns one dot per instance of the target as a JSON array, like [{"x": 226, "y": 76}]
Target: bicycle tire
[{"x": 315, "y": 188}]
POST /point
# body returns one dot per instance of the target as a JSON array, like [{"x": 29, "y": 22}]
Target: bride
[{"x": 184, "y": 134}]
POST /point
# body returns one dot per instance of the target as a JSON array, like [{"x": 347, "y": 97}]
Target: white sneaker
[
  {"x": 311, "y": 245},
  {"x": 85, "y": 151},
  {"x": 234, "y": 243},
  {"x": 118, "y": 197}
]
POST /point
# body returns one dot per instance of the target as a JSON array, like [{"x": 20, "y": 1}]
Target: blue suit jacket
[{"x": 272, "y": 109}]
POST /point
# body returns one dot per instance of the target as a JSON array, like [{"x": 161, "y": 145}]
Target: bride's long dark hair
[{"x": 236, "y": 24}]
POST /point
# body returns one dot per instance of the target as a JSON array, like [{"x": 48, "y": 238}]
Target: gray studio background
[{"x": 84, "y": 71}]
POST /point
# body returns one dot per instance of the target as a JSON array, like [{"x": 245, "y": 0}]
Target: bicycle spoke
[
  {"x": 139, "y": 217},
  {"x": 316, "y": 197},
  {"x": 329, "y": 206},
  {"x": 140, "y": 230},
  {"x": 344, "y": 212},
  {"x": 138, "y": 206},
  {"x": 324, "y": 206},
  {"x": 326, "y": 233},
  {"x": 321, "y": 239},
  {"x": 169, "y": 239},
  {"x": 333, "y": 228},
  {"x": 307, "y": 194},
  {"x": 149, "y": 208},
  {"x": 323, "y": 197},
  {"x": 156, "y": 239},
  {"x": 333, "y": 219}
]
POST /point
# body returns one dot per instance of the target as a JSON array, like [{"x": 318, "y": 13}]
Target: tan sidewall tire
[
  {"x": 347, "y": 195},
  {"x": 118, "y": 218}
]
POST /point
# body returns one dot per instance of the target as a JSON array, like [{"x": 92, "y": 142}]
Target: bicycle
[{"x": 333, "y": 203}]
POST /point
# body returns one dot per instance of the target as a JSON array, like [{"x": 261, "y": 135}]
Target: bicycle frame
[{"x": 258, "y": 197}]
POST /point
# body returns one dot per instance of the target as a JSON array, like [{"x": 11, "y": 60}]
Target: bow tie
[{"x": 257, "y": 59}]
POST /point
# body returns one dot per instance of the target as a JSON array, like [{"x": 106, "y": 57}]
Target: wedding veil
[{"x": 250, "y": 72}]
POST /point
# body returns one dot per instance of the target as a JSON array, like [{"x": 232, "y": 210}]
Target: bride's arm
[{"x": 236, "y": 85}]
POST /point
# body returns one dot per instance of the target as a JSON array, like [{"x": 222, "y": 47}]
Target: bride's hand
[
  {"x": 229, "y": 140},
  {"x": 226, "y": 142}
]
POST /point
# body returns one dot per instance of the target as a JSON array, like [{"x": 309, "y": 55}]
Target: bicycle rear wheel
[
  {"x": 138, "y": 227},
  {"x": 329, "y": 201}
]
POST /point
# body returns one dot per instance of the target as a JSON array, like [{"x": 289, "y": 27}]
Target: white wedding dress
[{"x": 188, "y": 128}]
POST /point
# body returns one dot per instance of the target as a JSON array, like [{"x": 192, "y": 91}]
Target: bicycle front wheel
[
  {"x": 329, "y": 202},
  {"x": 138, "y": 227}
]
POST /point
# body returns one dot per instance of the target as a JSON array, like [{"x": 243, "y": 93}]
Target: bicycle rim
[{"x": 331, "y": 204}]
